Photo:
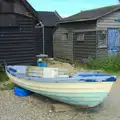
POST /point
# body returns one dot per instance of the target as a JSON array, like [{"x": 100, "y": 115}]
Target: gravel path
[{"x": 36, "y": 107}]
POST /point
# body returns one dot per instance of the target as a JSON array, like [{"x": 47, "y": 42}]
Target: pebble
[
  {"x": 50, "y": 111},
  {"x": 35, "y": 107}
]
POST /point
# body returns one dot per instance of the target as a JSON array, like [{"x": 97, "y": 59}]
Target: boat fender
[{"x": 13, "y": 70}]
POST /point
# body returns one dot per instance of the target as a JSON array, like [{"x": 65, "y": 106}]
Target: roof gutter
[{"x": 81, "y": 20}]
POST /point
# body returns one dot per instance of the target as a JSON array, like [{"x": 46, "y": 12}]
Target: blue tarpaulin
[{"x": 117, "y": 20}]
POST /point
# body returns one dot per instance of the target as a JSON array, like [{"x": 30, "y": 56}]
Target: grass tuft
[
  {"x": 111, "y": 64},
  {"x": 5, "y": 84}
]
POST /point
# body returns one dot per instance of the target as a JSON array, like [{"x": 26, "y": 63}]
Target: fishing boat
[{"x": 87, "y": 89}]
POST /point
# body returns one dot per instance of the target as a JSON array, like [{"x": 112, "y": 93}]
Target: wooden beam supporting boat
[{"x": 60, "y": 107}]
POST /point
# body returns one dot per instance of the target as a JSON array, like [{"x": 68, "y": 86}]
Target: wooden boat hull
[{"x": 84, "y": 93}]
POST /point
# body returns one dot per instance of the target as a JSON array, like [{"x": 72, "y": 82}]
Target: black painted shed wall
[
  {"x": 49, "y": 41},
  {"x": 17, "y": 41},
  {"x": 82, "y": 50},
  {"x": 72, "y": 49},
  {"x": 48, "y": 32}
]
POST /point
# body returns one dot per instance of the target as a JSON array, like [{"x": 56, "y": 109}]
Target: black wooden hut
[
  {"x": 49, "y": 21},
  {"x": 17, "y": 32},
  {"x": 92, "y": 33}
]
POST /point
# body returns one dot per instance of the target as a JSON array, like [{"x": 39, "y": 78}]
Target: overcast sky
[{"x": 69, "y": 7}]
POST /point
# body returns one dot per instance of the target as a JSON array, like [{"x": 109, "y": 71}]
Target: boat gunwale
[
  {"x": 63, "y": 86},
  {"x": 63, "y": 79}
]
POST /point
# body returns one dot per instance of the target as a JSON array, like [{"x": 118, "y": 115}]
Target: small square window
[
  {"x": 80, "y": 37},
  {"x": 65, "y": 36}
]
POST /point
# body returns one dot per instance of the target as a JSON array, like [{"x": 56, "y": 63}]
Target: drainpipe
[{"x": 43, "y": 36}]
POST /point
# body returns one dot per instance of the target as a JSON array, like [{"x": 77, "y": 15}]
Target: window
[
  {"x": 80, "y": 37},
  {"x": 65, "y": 36},
  {"x": 102, "y": 39}
]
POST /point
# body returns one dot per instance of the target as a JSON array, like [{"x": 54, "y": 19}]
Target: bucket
[
  {"x": 41, "y": 64},
  {"x": 42, "y": 60}
]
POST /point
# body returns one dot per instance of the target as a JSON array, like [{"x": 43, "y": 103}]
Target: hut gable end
[
  {"x": 21, "y": 9},
  {"x": 17, "y": 32},
  {"x": 109, "y": 21},
  {"x": 17, "y": 6},
  {"x": 6, "y": 6}
]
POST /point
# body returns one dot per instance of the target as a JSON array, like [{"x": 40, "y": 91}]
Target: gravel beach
[{"x": 37, "y": 107}]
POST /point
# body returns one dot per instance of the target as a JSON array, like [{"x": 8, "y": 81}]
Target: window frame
[
  {"x": 80, "y": 35},
  {"x": 65, "y": 36},
  {"x": 104, "y": 32}
]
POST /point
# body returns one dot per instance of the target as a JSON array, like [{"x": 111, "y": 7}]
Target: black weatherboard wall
[
  {"x": 17, "y": 32},
  {"x": 69, "y": 48},
  {"x": 83, "y": 49},
  {"x": 49, "y": 20}
]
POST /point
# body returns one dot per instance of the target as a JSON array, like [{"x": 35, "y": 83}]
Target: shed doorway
[{"x": 113, "y": 41}]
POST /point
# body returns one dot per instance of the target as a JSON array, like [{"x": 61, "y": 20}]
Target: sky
[{"x": 69, "y": 7}]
